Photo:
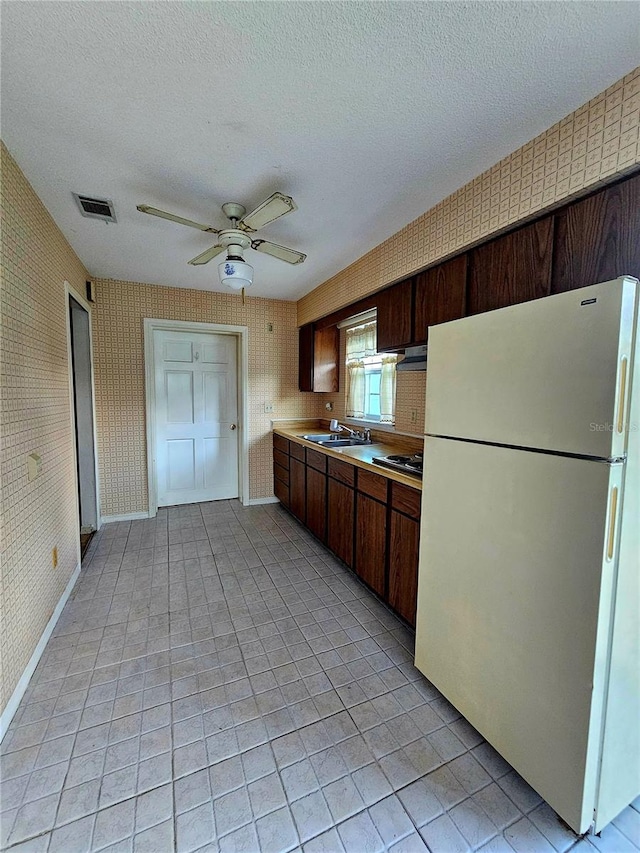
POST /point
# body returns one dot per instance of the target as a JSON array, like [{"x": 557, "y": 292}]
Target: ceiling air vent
[{"x": 96, "y": 208}]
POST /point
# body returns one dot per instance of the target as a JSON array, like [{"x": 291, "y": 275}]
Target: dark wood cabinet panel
[
  {"x": 598, "y": 238},
  {"x": 372, "y": 484},
  {"x": 395, "y": 317},
  {"x": 403, "y": 565},
  {"x": 340, "y": 519},
  {"x": 281, "y": 473},
  {"x": 317, "y": 460},
  {"x": 440, "y": 296},
  {"x": 281, "y": 458},
  {"x": 297, "y": 488},
  {"x": 281, "y": 491},
  {"x": 318, "y": 354},
  {"x": 281, "y": 444},
  {"x": 297, "y": 451},
  {"x": 305, "y": 357},
  {"x": 512, "y": 269},
  {"x": 325, "y": 359},
  {"x": 371, "y": 542},
  {"x": 317, "y": 503},
  {"x": 343, "y": 471},
  {"x": 405, "y": 499}
]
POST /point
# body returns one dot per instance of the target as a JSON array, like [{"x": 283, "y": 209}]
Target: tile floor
[{"x": 220, "y": 682}]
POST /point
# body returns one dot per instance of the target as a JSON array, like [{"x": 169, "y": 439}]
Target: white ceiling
[{"x": 367, "y": 113}]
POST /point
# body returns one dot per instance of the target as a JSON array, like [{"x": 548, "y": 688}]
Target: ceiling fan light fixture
[{"x": 235, "y": 273}]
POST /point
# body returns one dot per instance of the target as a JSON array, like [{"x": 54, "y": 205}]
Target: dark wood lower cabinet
[
  {"x": 367, "y": 520},
  {"x": 340, "y": 520},
  {"x": 371, "y": 542},
  {"x": 403, "y": 565},
  {"x": 317, "y": 503},
  {"x": 297, "y": 489}
]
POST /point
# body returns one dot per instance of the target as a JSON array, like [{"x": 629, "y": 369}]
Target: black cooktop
[{"x": 405, "y": 464}]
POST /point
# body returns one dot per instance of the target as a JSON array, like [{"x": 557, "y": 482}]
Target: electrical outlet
[
  {"x": 414, "y": 416},
  {"x": 54, "y": 557},
  {"x": 268, "y": 408},
  {"x": 329, "y": 406}
]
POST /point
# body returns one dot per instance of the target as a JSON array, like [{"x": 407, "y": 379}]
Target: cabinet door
[
  {"x": 305, "y": 357},
  {"x": 597, "y": 239},
  {"x": 281, "y": 490},
  {"x": 403, "y": 565},
  {"x": 326, "y": 352},
  {"x": 297, "y": 496},
  {"x": 340, "y": 518},
  {"x": 317, "y": 503},
  {"x": 514, "y": 268},
  {"x": 371, "y": 542},
  {"x": 395, "y": 314},
  {"x": 440, "y": 296}
]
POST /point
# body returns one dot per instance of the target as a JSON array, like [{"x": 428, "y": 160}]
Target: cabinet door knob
[{"x": 233, "y": 426}]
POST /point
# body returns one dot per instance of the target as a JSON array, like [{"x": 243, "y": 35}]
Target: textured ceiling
[{"x": 367, "y": 113}]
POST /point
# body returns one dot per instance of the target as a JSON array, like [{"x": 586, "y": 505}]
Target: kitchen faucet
[{"x": 363, "y": 435}]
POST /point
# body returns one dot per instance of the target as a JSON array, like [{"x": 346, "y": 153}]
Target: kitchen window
[{"x": 371, "y": 377}]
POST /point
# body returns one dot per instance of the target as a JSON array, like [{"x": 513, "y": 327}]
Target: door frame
[
  {"x": 69, "y": 292},
  {"x": 241, "y": 334}
]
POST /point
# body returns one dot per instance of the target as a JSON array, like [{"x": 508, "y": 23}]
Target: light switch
[{"x": 34, "y": 465}]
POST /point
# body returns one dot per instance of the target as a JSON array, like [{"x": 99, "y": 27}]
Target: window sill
[{"x": 380, "y": 427}]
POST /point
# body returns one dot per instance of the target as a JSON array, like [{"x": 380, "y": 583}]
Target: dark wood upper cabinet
[
  {"x": 395, "y": 317},
  {"x": 318, "y": 354},
  {"x": 371, "y": 542},
  {"x": 440, "y": 296},
  {"x": 404, "y": 542},
  {"x": 598, "y": 238},
  {"x": 340, "y": 519},
  {"x": 512, "y": 269}
]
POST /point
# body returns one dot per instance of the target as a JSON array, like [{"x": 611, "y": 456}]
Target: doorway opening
[{"x": 83, "y": 418}]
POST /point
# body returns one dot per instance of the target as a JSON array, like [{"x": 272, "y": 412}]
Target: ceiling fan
[{"x": 234, "y": 272}]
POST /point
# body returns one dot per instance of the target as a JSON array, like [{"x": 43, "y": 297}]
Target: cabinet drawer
[
  {"x": 281, "y": 491},
  {"x": 281, "y": 473},
  {"x": 406, "y": 500},
  {"x": 342, "y": 471},
  {"x": 280, "y": 458},
  {"x": 281, "y": 443},
  {"x": 296, "y": 450},
  {"x": 317, "y": 460},
  {"x": 373, "y": 484}
]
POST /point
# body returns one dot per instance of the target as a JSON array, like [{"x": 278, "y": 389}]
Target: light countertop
[{"x": 361, "y": 455}]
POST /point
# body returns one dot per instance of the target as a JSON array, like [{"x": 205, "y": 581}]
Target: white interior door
[
  {"x": 196, "y": 412},
  {"x": 515, "y": 586}
]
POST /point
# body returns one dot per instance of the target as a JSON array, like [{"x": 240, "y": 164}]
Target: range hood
[{"x": 415, "y": 358}]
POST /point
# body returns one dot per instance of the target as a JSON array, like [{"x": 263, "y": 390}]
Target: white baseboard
[
  {"x": 129, "y": 516},
  {"x": 25, "y": 678},
  {"x": 260, "y": 501}
]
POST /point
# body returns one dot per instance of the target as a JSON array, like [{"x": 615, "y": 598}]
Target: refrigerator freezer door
[
  {"x": 517, "y": 562},
  {"x": 552, "y": 374}
]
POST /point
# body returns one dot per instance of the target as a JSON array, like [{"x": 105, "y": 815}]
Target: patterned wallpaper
[
  {"x": 120, "y": 309},
  {"x": 594, "y": 144},
  {"x": 39, "y": 515}
]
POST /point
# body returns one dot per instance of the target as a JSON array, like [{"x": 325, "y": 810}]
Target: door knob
[{"x": 233, "y": 426}]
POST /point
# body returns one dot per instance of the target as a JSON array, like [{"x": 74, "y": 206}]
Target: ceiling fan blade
[
  {"x": 282, "y": 252},
  {"x": 205, "y": 257},
  {"x": 145, "y": 208},
  {"x": 274, "y": 207}
]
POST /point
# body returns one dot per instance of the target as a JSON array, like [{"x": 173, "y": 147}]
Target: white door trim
[
  {"x": 69, "y": 291},
  {"x": 241, "y": 333}
]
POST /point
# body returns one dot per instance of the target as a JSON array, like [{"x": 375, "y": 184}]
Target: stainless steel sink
[{"x": 335, "y": 440}]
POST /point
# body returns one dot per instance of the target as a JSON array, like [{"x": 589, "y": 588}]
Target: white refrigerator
[{"x": 528, "y": 616}]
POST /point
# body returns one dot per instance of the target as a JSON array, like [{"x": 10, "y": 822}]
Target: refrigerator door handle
[
  {"x": 613, "y": 513},
  {"x": 622, "y": 392}
]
